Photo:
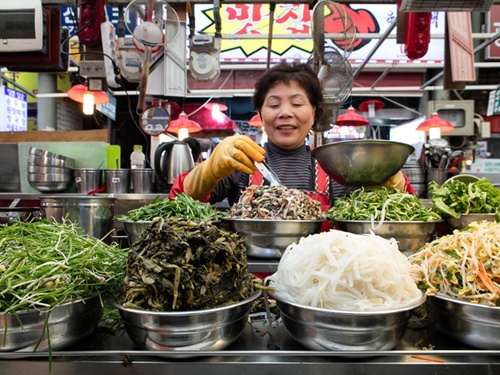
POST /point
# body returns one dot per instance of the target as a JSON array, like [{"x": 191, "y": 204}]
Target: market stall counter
[{"x": 262, "y": 348}]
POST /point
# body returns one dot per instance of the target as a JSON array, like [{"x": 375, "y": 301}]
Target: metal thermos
[{"x": 171, "y": 159}]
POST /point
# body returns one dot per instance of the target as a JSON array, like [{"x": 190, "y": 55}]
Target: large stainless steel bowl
[
  {"x": 134, "y": 229},
  {"x": 362, "y": 162},
  {"x": 65, "y": 325},
  {"x": 469, "y": 323},
  {"x": 37, "y": 156},
  {"x": 411, "y": 235},
  {"x": 211, "y": 329},
  {"x": 270, "y": 238},
  {"x": 94, "y": 214},
  {"x": 323, "y": 329},
  {"x": 465, "y": 220}
]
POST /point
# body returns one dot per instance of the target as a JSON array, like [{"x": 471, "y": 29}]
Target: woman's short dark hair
[{"x": 285, "y": 72}]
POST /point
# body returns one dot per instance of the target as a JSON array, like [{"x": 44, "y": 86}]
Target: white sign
[{"x": 13, "y": 110}]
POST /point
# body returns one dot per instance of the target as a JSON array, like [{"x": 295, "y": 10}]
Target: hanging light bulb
[
  {"x": 216, "y": 109},
  {"x": 371, "y": 106},
  {"x": 435, "y": 125},
  {"x": 183, "y": 126},
  {"x": 351, "y": 118},
  {"x": 80, "y": 94},
  {"x": 88, "y": 103}
]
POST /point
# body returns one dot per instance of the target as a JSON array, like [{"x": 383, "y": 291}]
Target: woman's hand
[{"x": 237, "y": 152}]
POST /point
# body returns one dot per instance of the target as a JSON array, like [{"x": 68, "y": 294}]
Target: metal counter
[{"x": 261, "y": 349}]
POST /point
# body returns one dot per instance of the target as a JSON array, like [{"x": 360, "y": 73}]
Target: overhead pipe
[{"x": 375, "y": 48}]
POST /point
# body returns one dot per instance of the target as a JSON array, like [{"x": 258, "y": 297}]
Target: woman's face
[{"x": 287, "y": 115}]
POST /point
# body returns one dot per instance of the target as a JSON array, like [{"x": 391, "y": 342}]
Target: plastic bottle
[{"x": 137, "y": 158}]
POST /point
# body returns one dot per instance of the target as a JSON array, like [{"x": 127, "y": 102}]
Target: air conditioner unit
[{"x": 445, "y": 6}]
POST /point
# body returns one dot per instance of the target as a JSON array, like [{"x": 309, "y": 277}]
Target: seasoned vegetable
[
  {"x": 456, "y": 197},
  {"x": 276, "y": 203},
  {"x": 381, "y": 205},
  {"x": 182, "y": 206},
  {"x": 464, "y": 265},
  {"x": 45, "y": 264},
  {"x": 183, "y": 265}
]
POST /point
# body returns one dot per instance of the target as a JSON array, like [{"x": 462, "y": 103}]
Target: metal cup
[
  {"x": 88, "y": 179},
  {"x": 117, "y": 180},
  {"x": 142, "y": 180},
  {"x": 437, "y": 174}
]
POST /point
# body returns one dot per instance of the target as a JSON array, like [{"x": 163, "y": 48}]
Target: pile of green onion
[{"x": 44, "y": 265}]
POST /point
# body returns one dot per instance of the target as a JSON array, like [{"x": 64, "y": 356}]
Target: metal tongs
[{"x": 268, "y": 173}]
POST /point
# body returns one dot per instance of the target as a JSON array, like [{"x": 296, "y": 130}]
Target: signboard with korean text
[
  {"x": 493, "y": 103},
  {"x": 13, "y": 110},
  {"x": 293, "y": 20},
  {"x": 291, "y": 23}
]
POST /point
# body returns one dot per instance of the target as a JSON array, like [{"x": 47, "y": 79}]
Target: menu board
[{"x": 13, "y": 110}]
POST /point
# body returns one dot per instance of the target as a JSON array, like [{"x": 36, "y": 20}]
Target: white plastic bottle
[{"x": 137, "y": 158}]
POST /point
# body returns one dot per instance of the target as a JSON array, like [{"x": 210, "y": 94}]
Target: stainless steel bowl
[
  {"x": 465, "y": 220},
  {"x": 323, "y": 329},
  {"x": 50, "y": 170},
  {"x": 134, "y": 229},
  {"x": 362, "y": 162},
  {"x": 211, "y": 329},
  {"x": 47, "y": 158},
  {"x": 270, "y": 238},
  {"x": 51, "y": 183},
  {"x": 94, "y": 214},
  {"x": 469, "y": 323},
  {"x": 411, "y": 235},
  {"x": 65, "y": 325}
]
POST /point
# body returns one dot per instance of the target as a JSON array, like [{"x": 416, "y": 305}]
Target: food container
[
  {"x": 117, "y": 180},
  {"x": 134, "y": 229},
  {"x": 211, "y": 329},
  {"x": 411, "y": 235},
  {"x": 464, "y": 220},
  {"x": 93, "y": 213},
  {"x": 323, "y": 329},
  {"x": 88, "y": 179},
  {"x": 469, "y": 323},
  {"x": 270, "y": 238},
  {"x": 61, "y": 327},
  {"x": 143, "y": 180},
  {"x": 364, "y": 162}
]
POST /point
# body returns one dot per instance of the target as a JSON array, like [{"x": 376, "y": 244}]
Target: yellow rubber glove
[
  {"x": 237, "y": 152},
  {"x": 397, "y": 181}
]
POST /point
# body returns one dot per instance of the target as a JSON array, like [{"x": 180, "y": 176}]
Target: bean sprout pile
[
  {"x": 344, "y": 271},
  {"x": 463, "y": 265}
]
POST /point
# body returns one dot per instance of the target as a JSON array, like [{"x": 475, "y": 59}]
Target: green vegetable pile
[
  {"x": 183, "y": 265},
  {"x": 456, "y": 198},
  {"x": 45, "y": 264},
  {"x": 381, "y": 205},
  {"x": 181, "y": 206}
]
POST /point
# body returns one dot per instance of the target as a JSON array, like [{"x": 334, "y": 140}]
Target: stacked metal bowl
[{"x": 49, "y": 172}]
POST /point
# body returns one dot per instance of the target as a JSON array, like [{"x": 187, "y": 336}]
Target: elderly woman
[{"x": 289, "y": 99}]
